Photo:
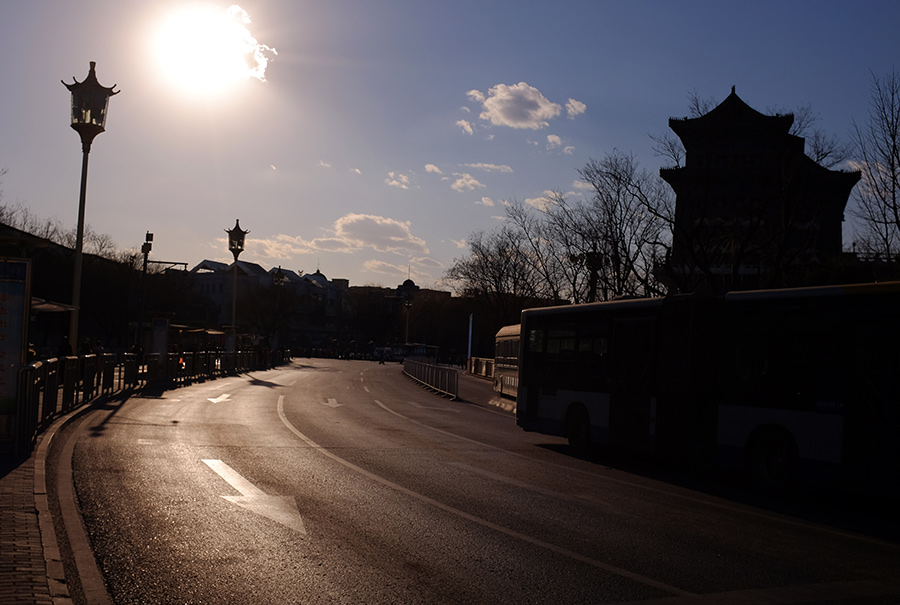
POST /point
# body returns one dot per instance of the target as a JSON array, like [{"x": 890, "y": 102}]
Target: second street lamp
[
  {"x": 236, "y": 245},
  {"x": 89, "y": 103}
]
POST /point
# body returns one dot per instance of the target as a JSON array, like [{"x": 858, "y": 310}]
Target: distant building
[
  {"x": 752, "y": 209},
  {"x": 278, "y": 307}
]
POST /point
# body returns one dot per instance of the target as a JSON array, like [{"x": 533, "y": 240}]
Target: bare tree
[
  {"x": 629, "y": 220},
  {"x": 823, "y": 148},
  {"x": 21, "y": 217},
  {"x": 877, "y": 145},
  {"x": 497, "y": 272},
  {"x": 605, "y": 246}
]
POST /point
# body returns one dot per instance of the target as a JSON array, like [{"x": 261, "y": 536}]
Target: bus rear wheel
[
  {"x": 578, "y": 429},
  {"x": 772, "y": 460}
]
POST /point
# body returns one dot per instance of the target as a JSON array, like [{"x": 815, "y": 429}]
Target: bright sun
[{"x": 205, "y": 50}]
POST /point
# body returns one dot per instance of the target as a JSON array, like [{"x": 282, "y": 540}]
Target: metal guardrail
[
  {"x": 442, "y": 379},
  {"x": 50, "y": 388}
]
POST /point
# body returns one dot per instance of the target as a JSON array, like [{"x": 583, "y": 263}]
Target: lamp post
[
  {"x": 145, "y": 250},
  {"x": 236, "y": 245},
  {"x": 278, "y": 280},
  {"x": 89, "y": 103}
]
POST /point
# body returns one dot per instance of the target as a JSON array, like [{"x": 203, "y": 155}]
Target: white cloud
[
  {"x": 432, "y": 168},
  {"x": 427, "y": 261},
  {"x": 459, "y": 243},
  {"x": 568, "y": 150},
  {"x": 382, "y": 234},
  {"x": 490, "y": 167},
  {"x": 356, "y": 170},
  {"x": 553, "y": 141},
  {"x": 485, "y": 201},
  {"x": 466, "y": 182},
  {"x": 350, "y": 233},
  {"x": 575, "y": 108},
  {"x": 465, "y": 125},
  {"x": 395, "y": 179},
  {"x": 542, "y": 203},
  {"x": 324, "y": 164},
  {"x": 385, "y": 268},
  {"x": 583, "y": 185},
  {"x": 516, "y": 106}
]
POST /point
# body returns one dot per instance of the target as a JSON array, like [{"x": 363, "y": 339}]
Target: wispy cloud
[
  {"x": 466, "y": 182},
  {"x": 432, "y": 168},
  {"x": 485, "y": 201},
  {"x": 350, "y": 233},
  {"x": 466, "y": 126},
  {"x": 396, "y": 179},
  {"x": 398, "y": 270},
  {"x": 490, "y": 167},
  {"x": 575, "y": 108},
  {"x": 542, "y": 203}
]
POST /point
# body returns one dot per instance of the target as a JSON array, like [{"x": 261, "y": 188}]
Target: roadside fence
[
  {"x": 443, "y": 379},
  {"x": 481, "y": 366},
  {"x": 53, "y": 387}
]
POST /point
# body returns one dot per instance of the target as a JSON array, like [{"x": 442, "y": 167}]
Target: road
[{"x": 330, "y": 481}]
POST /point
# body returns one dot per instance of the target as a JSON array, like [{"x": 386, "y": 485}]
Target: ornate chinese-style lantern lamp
[{"x": 89, "y": 103}]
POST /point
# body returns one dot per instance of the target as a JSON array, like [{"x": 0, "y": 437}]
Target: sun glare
[{"x": 205, "y": 50}]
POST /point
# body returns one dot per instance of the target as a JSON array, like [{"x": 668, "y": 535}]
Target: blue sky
[{"x": 387, "y": 131}]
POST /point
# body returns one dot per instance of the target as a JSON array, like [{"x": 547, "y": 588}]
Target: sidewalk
[{"x": 30, "y": 567}]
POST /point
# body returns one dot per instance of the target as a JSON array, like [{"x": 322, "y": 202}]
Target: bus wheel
[
  {"x": 773, "y": 460},
  {"x": 578, "y": 429}
]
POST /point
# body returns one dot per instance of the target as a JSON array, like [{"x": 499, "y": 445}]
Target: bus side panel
[
  {"x": 686, "y": 376},
  {"x": 632, "y": 401}
]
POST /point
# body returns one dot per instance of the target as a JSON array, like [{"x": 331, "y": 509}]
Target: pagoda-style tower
[{"x": 752, "y": 210}]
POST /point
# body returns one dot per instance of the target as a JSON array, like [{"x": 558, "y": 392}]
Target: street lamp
[
  {"x": 279, "y": 279},
  {"x": 89, "y": 103},
  {"x": 236, "y": 245},
  {"x": 145, "y": 250}
]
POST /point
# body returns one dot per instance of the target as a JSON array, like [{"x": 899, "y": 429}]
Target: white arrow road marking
[
  {"x": 332, "y": 403},
  {"x": 281, "y": 509},
  {"x": 220, "y": 398}
]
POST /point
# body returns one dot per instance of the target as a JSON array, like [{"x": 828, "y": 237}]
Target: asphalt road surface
[{"x": 330, "y": 481}]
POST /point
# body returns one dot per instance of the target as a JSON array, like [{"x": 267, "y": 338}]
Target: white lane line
[
  {"x": 478, "y": 520},
  {"x": 220, "y": 398}
]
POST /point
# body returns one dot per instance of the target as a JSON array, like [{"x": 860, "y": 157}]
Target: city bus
[
  {"x": 506, "y": 361},
  {"x": 787, "y": 384}
]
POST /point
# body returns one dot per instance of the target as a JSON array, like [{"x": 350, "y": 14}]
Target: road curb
[{"x": 56, "y": 576}]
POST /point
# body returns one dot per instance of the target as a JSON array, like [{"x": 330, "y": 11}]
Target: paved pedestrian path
[{"x": 24, "y": 574}]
